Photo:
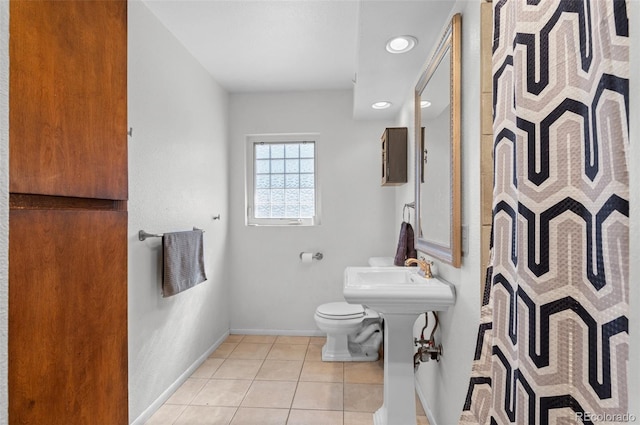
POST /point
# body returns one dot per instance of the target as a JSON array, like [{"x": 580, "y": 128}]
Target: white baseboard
[
  {"x": 149, "y": 411},
  {"x": 423, "y": 401},
  {"x": 285, "y": 332}
]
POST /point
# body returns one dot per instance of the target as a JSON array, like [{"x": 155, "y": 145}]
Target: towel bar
[
  {"x": 404, "y": 210},
  {"x": 142, "y": 235}
]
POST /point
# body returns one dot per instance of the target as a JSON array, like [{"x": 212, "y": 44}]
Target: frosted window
[
  {"x": 277, "y": 180},
  {"x": 262, "y": 211},
  {"x": 307, "y": 150},
  {"x": 306, "y": 196},
  {"x": 262, "y": 181},
  {"x": 284, "y": 180},
  {"x": 306, "y": 211},
  {"x": 277, "y": 196},
  {"x": 262, "y": 166},
  {"x": 306, "y": 180},
  {"x": 292, "y": 165},
  {"x": 293, "y": 181},
  {"x": 306, "y": 165},
  {"x": 262, "y": 152},
  {"x": 292, "y": 150},
  {"x": 277, "y": 150}
]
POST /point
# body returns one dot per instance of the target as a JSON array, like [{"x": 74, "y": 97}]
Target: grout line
[
  {"x": 293, "y": 398},
  {"x": 298, "y": 381},
  {"x": 234, "y": 414},
  {"x": 306, "y": 359}
]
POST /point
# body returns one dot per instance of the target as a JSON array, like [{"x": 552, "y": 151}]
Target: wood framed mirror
[{"x": 437, "y": 159}]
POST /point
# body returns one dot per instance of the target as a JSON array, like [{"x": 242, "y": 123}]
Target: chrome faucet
[{"x": 425, "y": 266}]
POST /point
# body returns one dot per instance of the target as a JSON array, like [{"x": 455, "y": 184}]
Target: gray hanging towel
[
  {"x": 401, "y": 250},
  {"x": 183, "y": 261},
  {"x": 406, "y": 247},
  {"x": 411, "y": 243}
]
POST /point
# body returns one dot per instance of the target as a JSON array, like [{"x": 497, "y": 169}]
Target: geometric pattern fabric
[{"x": 553, "y": 338}]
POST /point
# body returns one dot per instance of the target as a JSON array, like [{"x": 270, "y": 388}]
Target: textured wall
[
  {"x": 271, "y": 290},
  {"x": 177, "y": 179}
]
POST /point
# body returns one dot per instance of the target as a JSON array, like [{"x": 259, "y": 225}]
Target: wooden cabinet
[
  {"x": 68, "y": 221},
  {"x": 67, "y": 314},
  {"x": 394, "y": 156},
  {"x": 68, "y": 98}
]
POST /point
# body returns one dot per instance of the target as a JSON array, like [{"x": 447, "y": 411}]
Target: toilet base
[{"x": 328, "y": 356}]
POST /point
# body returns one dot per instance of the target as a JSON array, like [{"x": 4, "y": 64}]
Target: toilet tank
[{"x": 381, "y": 262}]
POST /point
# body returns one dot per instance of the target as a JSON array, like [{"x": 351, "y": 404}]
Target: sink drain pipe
[{"x": 427, "y": 349}]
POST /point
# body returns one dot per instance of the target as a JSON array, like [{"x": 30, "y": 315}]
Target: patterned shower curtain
[{"x": 553, "y": 341}]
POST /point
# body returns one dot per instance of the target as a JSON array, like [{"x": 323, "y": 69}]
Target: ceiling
[{"x": 292, "y": 45}]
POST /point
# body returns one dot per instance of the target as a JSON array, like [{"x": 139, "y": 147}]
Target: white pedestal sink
[{"x": 399, "y": 295}]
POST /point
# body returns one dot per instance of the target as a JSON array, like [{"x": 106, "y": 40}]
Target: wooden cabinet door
[
  {"x": 394, "y": 156},
  {"x": 68, "y": 317},
  {"x": 68, "y": 98}
]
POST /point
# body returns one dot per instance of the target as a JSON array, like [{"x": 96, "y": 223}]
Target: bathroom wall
[
  {"x": 271, "y": 290},
  {"x": 444, "y": 384},
  {"x": 178, "y": 178},
  {"x": 4, "y": 206}
]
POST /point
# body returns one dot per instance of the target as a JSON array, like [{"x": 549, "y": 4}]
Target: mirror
[{"x": 437, "y": 158}]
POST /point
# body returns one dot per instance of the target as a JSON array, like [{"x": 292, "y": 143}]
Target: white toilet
[{"x": 353, "y": 332}]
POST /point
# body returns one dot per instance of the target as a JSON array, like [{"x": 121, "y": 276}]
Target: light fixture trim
[
  {"x": 383, "y": 104},
  {"x": 401, "y": 44}
]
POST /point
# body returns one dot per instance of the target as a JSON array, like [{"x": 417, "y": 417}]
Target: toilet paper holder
[{"x": 317, "y": 256}]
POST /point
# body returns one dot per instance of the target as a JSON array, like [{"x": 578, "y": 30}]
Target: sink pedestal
[
  {"x": 400, "y": 295},
  {"x": 399, "y": 407}
]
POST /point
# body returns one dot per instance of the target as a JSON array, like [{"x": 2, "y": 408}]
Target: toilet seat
[{"x": 340, "y": 311}]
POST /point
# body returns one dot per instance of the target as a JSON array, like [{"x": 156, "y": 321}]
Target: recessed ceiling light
[
  {"x": 401, "y": 44},
  {"x": 425, "y": 103},
  {"x": 381, "y": 105}
]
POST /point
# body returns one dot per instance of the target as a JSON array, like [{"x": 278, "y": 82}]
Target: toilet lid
[{"x": 340, "y": 310}]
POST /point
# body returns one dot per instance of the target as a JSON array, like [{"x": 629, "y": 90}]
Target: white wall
[
  {"x": 444, "y": 384},
  {"x": 4, "y": 207},
  {"x": 178, "y": 178},
  {"x": 271, "y": 290}
]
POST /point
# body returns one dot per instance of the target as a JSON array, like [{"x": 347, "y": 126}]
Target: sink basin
[
  {"x": 400, "y": 295},
  {"x": 396, "y": 290}
]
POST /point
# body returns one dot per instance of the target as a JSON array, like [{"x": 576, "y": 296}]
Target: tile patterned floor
[{"x": 276, "y": 380}]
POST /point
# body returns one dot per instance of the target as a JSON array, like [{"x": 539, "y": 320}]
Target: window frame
[{"x": 250, "y": 140}]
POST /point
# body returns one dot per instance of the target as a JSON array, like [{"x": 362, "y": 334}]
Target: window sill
[{"x": 283, "y": 222}]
